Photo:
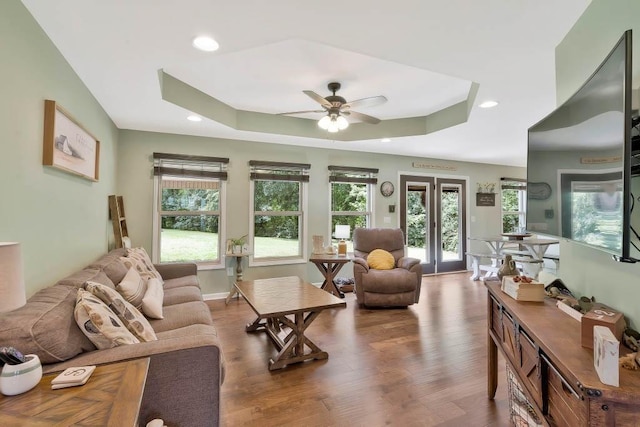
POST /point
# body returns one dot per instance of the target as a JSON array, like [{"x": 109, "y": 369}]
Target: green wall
[
  {"x": 135, "y": 183},
  {"x": 588, "y": 271},
  {"x": 60, "y": 220}
]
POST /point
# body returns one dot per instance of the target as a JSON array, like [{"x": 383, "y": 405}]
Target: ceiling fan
[{"x": 336, "y": 108}]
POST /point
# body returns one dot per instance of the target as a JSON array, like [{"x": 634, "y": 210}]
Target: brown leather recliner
[{"x": 398, "y": 287}]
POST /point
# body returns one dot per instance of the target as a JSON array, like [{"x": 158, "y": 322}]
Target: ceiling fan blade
[
  {"x": 366, "y": 102},
  {"x": 301, "y": 112},
  {"x": 320, "y": 100},
  {"x": 364, "y": 117}
]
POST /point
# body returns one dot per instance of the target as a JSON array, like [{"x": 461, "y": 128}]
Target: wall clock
[{"x": 386, "y": 188}]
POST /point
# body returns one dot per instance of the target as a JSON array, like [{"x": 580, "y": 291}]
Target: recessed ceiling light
[
  {"x": 385, "y": 140},
  {"x": 194, "y": 118},
  {"x": 488, "y": 104},
  {"x": 205, "y": 43}
]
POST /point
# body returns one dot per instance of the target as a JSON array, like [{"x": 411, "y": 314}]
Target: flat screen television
[{"x": 579, "y": 161}]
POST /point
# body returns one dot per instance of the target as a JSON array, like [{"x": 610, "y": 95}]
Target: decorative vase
[
  {"x": 16, "y": 379},
  {"x": 508, "y": 268},
  {"x": 318, "y": 244},
  {"x": 237, "y": 249}
]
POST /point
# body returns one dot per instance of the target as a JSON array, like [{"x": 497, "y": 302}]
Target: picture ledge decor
[{"x": 67, "y": 145}]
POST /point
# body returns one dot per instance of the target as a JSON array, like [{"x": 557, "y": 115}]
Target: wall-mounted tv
[{"x": 579, "y": 161}]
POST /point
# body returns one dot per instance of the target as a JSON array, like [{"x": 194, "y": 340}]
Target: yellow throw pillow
[{"x": 380, "y": 259}]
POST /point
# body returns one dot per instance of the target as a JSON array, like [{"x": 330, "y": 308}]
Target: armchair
[{"x": 398, "y": 287}]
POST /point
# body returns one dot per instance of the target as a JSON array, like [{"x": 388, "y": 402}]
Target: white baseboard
[{"x": 219, "y": 295}]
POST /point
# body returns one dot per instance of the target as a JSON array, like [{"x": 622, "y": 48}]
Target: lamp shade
[
  {"x": 12, "y": 293},
  {"x": 342, "y": 232}
]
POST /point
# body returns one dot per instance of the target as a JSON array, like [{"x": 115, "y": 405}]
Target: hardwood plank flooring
[{"x": 421, "y": 366}]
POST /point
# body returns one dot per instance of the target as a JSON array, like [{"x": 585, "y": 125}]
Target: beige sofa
[{"x": 186, "y": 366}]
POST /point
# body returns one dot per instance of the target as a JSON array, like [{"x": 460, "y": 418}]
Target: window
[
  {"x": 279, "y": 199},
  {"x": 352, "y": 192},
  {"x": 513, "y": 200},
  {"x": 189, "y": 209}
]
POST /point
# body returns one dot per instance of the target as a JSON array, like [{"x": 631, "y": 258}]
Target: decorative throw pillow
[
  {"x": 380, "y": 259},
  {"x": 139, "y": 259},
  {"x": 152, "y": 301},
  {"x": 101, "y": 325},
  {"x": 133, "y": 288},
  {"x": 128, "y": 314}
]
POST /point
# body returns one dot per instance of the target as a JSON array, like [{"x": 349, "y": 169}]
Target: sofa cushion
[
  {"x": 183, "y": 294},
  {"x": 153, "y": 298},
  {"x": 381, "y": 260},
  {"x": 45, "y": 326},
  {"x": 181, "y": 315},
  {"x": 101, "y": 325},
  {"x": 137, "y": 324},
  {"x": 79, "y": 278},
  {"x": 133, "y": 288},
  {"x": 138, "y": 258},
  {"x": 111, "y": 265},
  {"x": 179, "y": 282}
]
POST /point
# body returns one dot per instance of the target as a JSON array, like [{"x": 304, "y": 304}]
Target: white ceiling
[{"x": 421, "y": 54}]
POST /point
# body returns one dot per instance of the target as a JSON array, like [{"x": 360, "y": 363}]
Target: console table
[
  {"x": 542, "y": 345},
  {"x": 111, "y": 397}
]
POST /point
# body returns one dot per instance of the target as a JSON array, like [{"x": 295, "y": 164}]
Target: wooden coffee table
[{"x": 275, "y": 299}]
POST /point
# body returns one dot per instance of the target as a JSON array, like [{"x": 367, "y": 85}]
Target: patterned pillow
[
  {"x": 99, "y": 323},
  {"x": 379, "y": 259},
  {"x": 128, "y": 314},
  {"x": 152, "y": 301},
  {"x": 139, "y": 259},
  {"x": 133, "y": 288}
]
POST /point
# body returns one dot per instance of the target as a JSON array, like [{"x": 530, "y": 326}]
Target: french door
[{"x": 433, "y": 220}]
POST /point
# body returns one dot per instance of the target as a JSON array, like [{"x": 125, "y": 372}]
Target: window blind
[
  {"x": 279, "y": 171},
  {"x": 353, "y": 175}
]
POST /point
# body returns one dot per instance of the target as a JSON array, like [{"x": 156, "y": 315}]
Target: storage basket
[{"x": 521, "y": 413}]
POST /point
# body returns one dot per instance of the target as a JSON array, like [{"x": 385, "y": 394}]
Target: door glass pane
[
  {"x": 450, "y": 229},
  {"x": 417, "y": 221}
]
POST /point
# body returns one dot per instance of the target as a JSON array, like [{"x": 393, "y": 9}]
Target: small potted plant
[{"x": 236, "y": 244}]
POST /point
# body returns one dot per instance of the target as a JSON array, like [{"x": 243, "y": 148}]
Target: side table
[
  {"x": 111, "y": 397},
  {"x": 329, "y": 266},
  {"x": 238, "y": 258}
]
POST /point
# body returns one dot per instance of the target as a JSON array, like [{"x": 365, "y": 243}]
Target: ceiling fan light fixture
[
  {"x": 324, "y": 122},
  {"x": 342, "y": 123}
]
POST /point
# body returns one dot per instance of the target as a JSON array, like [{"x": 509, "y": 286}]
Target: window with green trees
[
  {"x": 278, "y": 204},
  {"x": 188, "y": 208},
  {"x": 351, "y": 197},
  {"x": 513, "y": 195}
]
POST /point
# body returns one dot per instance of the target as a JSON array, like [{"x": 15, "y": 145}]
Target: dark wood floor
[{"x": 422, "y": 366}]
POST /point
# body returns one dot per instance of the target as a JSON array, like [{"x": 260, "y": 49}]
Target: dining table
[{"x": 530, "y": 249}]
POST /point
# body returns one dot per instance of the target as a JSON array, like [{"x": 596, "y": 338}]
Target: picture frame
[
  {"x": 485, "y": 199},
  {"x": 67, "y": 145}
]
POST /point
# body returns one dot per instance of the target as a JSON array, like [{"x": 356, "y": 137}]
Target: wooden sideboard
[{"x": 542, "y": 345}]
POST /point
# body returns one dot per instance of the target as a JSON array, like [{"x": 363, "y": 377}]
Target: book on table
[{"x": 521, "y": 291}]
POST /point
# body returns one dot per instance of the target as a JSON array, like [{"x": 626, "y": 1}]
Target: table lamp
[
  {"x": 12, "y": 293},
  {"x": 342, "y": 232}
]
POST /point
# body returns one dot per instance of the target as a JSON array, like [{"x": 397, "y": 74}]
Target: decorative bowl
[{"x": 16, "y": 379}]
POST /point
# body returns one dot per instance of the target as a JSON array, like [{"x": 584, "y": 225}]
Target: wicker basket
[{"x": 521, "y": 412}]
